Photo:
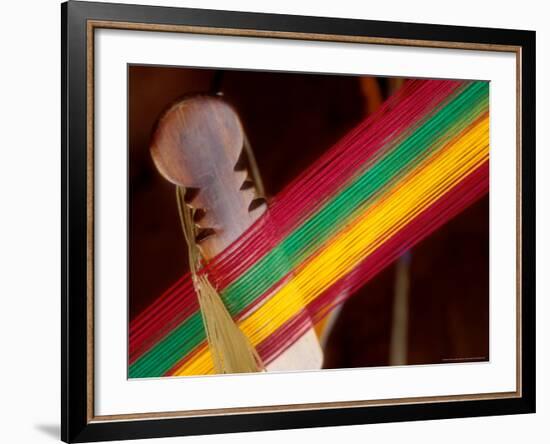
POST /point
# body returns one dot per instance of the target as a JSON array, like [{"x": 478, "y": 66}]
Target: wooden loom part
[{"x": 199, "y": 145}]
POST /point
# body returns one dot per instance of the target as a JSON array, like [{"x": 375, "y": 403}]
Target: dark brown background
[{"x": 290, "y": 119}]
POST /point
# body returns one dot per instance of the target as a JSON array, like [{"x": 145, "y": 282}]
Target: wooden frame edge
[
  {"x": 336, "y": 38},
  {"x": 92, "y": 25},
  {"x": 80, "y": 425}
]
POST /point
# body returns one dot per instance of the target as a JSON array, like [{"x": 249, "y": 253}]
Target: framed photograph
[{"x": 276, "y": 221}]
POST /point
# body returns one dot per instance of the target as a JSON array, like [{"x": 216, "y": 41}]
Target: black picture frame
[{"x": 77, "y": 425}]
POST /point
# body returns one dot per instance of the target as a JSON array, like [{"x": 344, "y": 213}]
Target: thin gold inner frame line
[{"x": 92, "y": 25}]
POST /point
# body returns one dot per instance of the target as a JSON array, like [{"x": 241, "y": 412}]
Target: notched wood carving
[{"x": 199, "y": 145}]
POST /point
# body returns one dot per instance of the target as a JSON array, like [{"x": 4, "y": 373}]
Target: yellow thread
[{"x": 396, "y": 208}]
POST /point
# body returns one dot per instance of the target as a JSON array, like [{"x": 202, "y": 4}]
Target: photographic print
[
  {"x": 276, "y": 221},
  {"x": 297, "y": 221}
]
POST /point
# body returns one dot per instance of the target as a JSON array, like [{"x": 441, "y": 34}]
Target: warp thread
[{"x": 394, "y": 179}]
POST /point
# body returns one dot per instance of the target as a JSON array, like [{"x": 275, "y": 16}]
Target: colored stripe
[{"x": 389, "y": 189}]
